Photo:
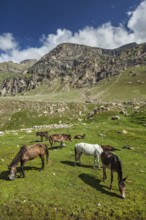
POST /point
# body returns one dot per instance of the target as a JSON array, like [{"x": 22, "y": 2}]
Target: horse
[
  {"x": 79, "y": 136},
  {"x": 108, "y": 147},
  {"x": 42, "y": 134},
  {"x": 111, "y": 161},
  {"x": 59, "y": 138},
  {"x": 94, "y": 150},
  {"x": 26, "y": 153}
]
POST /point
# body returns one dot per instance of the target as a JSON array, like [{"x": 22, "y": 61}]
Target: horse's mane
[{"x": 16, "y": 159}]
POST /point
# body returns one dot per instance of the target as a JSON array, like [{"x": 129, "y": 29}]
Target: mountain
[
  {"x": 15, "y": 67},
  {"x": 77, "y": 66}
]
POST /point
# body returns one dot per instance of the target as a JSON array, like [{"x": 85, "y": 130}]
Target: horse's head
[
  {"x": 12, "y": 172},
  {"x": 122, "y": 187},
  {"x": 68, "y": 137},
  {"x": 37, "y": 133}
]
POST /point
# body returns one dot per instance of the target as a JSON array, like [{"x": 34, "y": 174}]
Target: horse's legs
[
  {"x": 104, "y": 173},
  {"x": 77, "y": 158},
  {"x": 43, "y": 162},
  {"x": 111, "y": 178},
  {"x": 61, "y": 144},
  {"x": 94, "y": 165},
  {"x": 51, "y": 142},
  {"x": 96, "y": 159},
  {"x": 22, "y": 168},
  {"x": 80, "y": 158}
]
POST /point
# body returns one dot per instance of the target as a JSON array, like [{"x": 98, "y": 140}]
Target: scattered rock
[
  {"x": 122, "y": 132},
  {"x": 128, "y": 147},
  {"x": 115, "y": 117}
]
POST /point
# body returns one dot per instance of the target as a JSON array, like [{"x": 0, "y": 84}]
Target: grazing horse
[
  {"x": 111, "y": 161},
  {"x": 42, "y": 134},
  {"x": 27, "y": 152},
  {"x": 108, "y": 147},
  {"x": 59, "y": 138},
  {"x": 79, "y": 136},
  {"x": 94, "y": 150}
]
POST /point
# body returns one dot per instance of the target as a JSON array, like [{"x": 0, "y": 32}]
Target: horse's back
[
  {"x": 35, "y": 149},
  {"x": 55, "y": 137},
  {"x": 89, "y": 149},
  {"x": 60, "y": 137},
  {"x": 111, "y": 160}
]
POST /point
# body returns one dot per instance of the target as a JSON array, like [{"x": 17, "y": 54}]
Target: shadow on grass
[
  {"x": 38, "y": 141},
  {"x": 71, "y": 163},
  {"x": 4, "y": 175},
  {"x": 55, "y": 147},
  {"x": 96, "y": 183}
]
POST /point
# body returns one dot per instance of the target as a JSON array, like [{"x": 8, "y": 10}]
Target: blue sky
[{"x": 31, "y": 28}]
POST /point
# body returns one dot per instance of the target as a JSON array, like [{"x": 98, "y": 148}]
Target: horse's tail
[
  {"x": 75, "y": 150},
  {"x": 47, "y": 154},
  {"x": 75, "y": 154}
]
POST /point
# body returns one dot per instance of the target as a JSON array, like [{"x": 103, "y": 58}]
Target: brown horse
[
  {"x": 59, "y": 138},
  {"x": 110, "y": 160},
  {"x": 42, "y": 134},
  {"x": 27, "y": 152},
  {"x": 108, "y": 147}
]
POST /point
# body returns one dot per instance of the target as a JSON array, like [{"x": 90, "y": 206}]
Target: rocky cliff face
[{"x": 78, "y": 65}]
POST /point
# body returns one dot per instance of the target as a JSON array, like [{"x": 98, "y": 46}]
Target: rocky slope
[
  {"x": 77, "y": 65},
  {"x": 15, "y": 67}
]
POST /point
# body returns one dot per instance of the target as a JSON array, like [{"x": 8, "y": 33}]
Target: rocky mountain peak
[{"x": 77, "y": 65}]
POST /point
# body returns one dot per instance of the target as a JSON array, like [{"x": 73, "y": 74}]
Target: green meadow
[{"x": 63, "y": 191}]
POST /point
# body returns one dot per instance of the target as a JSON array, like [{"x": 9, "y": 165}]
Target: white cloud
[
  {"x": 104, "y": 36},
  {"x": 7, "y": 42},
  {"x": 137, "y": 22}
]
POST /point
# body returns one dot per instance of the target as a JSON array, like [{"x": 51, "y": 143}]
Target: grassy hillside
[{"x": 128, "y": 85}]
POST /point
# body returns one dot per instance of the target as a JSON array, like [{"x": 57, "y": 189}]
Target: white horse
[{"x": 88, "y": 149}]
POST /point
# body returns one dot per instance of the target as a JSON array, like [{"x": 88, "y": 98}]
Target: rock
[
  {"x": 128, "y": 147},
  {"x": 122, "y": 132},
  {"x": 115, "y": 117}
]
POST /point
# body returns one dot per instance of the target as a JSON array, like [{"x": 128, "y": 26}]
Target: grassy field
[{"x": 63, "y": 191}]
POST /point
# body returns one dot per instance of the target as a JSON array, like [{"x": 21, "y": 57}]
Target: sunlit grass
[{"x": 63, "y": 191}]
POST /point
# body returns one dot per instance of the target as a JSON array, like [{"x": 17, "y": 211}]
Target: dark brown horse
[
  {"x": 42, "y": 134},
  {"x": 108, "y": 147},
  {"x": 79, "y": 136},
  {"x": 59, "y": 138},
  {"x": 27, "y": 152},
  {"x": 111, "y": 161}
]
